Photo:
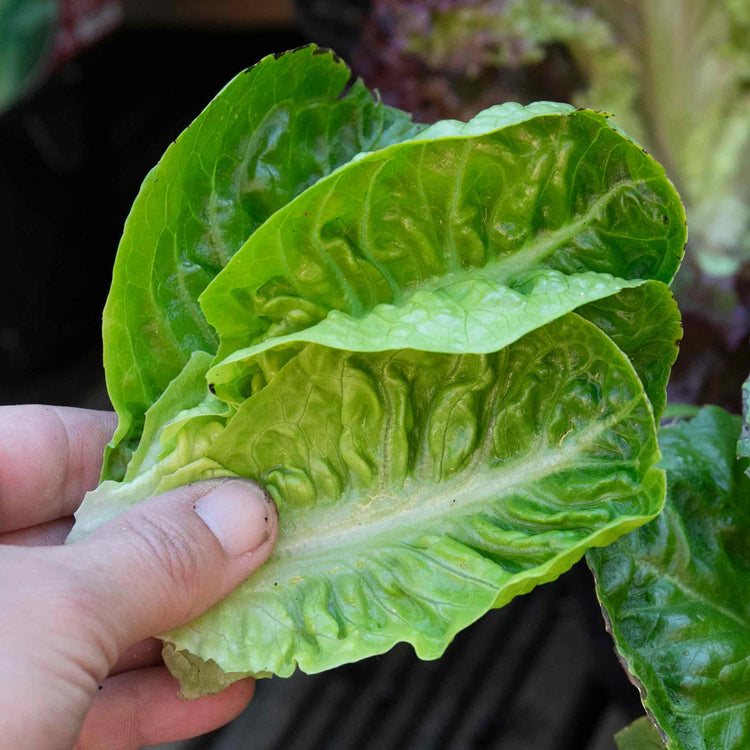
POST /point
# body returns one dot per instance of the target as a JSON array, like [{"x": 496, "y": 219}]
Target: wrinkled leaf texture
[
  {"x": 443, "y": 358},
  {"x": 270, "y": 133},
  {"x": 676, "y": 592}
]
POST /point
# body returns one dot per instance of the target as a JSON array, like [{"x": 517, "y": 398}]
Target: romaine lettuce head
[{"x": 442, "y": 350}]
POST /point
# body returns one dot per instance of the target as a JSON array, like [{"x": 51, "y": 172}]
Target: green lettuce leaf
[
  {"x": 177, "y": 431},
  {"x": 471, "y": 314},
  {"x": 418, "y": 490},
  {"x": 640, "y": 735},
  {"x": 273, "y": 131},
  {"x": 477, "y": 314},
  {"x": 676, "y": 592},
  {"x": 557, "y": 189},
  {"x": 644, "y": 322}
]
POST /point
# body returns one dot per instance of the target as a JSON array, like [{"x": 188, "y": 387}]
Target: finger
[
  {"x": 143, "y": 708},
  {"x": 42, "y": 535},
  {"x": 50, "y": 456},
  {"x": 139, "y": 656},
  {"x": 165, "y": 561}
]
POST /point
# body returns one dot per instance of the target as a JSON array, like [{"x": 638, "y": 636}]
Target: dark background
[{"x": 541, "y": 672}]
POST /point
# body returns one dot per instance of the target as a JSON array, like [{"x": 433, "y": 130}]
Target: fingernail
[{"x": 239, "y": 515}]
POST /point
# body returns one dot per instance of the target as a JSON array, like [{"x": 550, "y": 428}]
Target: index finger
[{"x": 50, "y": 456}]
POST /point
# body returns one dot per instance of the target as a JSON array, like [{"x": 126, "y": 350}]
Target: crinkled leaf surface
[
  {"x": 417, "y": 490},
  {"x": 478, "y": 314},
  {"x": 474, "y": 313},
  {"x": 644, "y": 322},
  {"x": 676, "y": 592},
  {"x": 270, "y": 133},
  {"x": 558, "y": 189}
]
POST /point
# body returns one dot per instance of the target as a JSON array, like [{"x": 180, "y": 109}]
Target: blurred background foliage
[{"x": 25, "y": 34}]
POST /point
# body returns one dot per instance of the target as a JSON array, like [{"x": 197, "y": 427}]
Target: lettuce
[
  {"x": 676, "y": 592},
  {"x": 640, "y": 735},
  {"x": 270, "y": 133},
  {"x": 443, "y": 350}
]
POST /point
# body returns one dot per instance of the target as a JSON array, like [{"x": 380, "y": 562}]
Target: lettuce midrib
[{"x": 331, "y": 532}]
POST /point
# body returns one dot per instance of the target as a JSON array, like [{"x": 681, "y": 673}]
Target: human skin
[{"x": 78, "y": 665}]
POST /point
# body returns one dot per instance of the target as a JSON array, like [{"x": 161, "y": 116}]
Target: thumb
[{"x": 170, "y": 558}]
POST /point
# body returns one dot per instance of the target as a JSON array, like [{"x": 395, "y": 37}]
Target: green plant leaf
[
  {"x": 743, "y": 446},
  {"x": 185, "y": 399},
  {"x": 418, "y": 490},
  {"x": 561, "y": 191},
  {"x": 178, "y": 428},
  {"x": 644, "y": 322},
  {"x": 640, "y": 735},
  {"x": 675, "y": 411},
  {"x": 473, "y": 313},
  {"x": 676, "y": 592},
  {"x": 273, "y": 131}
]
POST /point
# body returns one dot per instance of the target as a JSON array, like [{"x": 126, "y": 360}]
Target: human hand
[{"x": 74, "y": 666}]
